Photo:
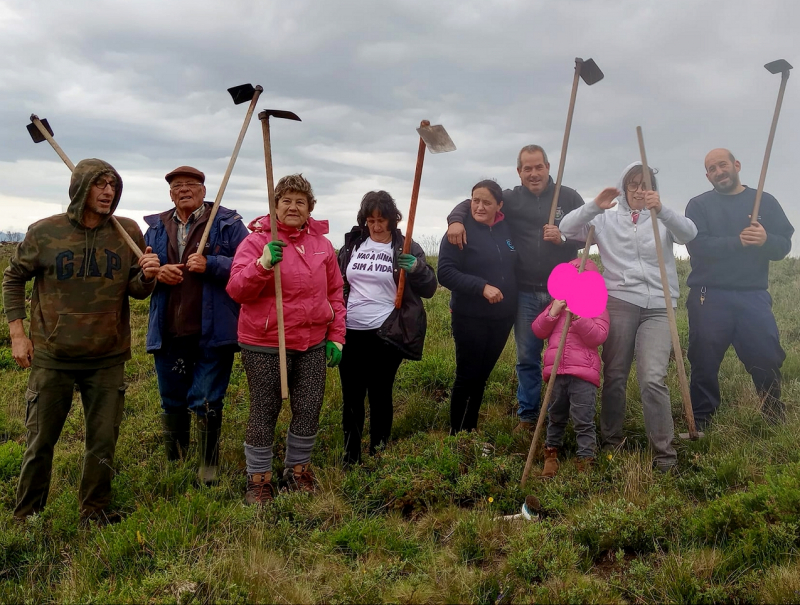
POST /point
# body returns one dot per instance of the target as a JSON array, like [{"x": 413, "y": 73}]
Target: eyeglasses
[
  {"x": 634, "y": 186},
  {"x": 176, "y": 186},
  {"x": 103, "y": 183}
]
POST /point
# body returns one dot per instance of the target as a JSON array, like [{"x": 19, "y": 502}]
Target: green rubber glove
[
  {"x": 333, "y": 353},
  {"x": 272, "y": 255},
  {"x": 407, "y": 262}
]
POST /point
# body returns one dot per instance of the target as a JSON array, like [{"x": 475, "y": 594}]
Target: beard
[{"x": 733, "y": 180}]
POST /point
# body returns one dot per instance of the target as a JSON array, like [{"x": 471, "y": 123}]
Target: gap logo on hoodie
[{"x": 65, "y": 265}]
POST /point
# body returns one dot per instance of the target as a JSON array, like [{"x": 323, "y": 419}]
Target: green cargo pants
[{"x": 49, "y": 398}]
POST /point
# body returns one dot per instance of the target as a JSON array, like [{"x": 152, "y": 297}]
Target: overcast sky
[{"x": 143, "y": 84}]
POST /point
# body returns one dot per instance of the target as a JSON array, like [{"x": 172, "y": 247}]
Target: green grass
[{"x": 417, "y": 523}]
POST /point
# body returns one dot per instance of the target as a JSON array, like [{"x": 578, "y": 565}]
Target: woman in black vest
[
  {"x": 483, "y": 300},
  {"x": 378, "y": 336}
]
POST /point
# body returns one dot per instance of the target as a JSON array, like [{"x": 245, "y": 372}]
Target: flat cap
[{"x": 186, "y": 171}]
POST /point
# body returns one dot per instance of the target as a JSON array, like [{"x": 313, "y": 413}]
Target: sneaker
[
  {"x": 300, "y": 478},
  {"x": 259, "y": 489}
]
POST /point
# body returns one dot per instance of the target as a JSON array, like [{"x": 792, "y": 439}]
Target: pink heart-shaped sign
[{"x": 585, "y": 293}]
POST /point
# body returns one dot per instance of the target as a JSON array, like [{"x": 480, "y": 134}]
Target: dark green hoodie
[{"x": 80, "y": 316}]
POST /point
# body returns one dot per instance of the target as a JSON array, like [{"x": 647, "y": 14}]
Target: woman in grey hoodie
[{"x": 636, "y": 304}]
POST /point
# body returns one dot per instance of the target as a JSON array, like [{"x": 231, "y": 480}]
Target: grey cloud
[{"x": 143, "y": 85}]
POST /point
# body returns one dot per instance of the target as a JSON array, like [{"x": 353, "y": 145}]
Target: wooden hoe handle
[{"x": 412, "y": 212}]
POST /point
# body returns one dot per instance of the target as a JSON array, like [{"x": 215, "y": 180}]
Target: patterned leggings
[{"x": 306, "y": 373}]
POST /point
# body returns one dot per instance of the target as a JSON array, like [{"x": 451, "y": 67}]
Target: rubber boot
[
  {"x": 208, "y": 428},
  {"x": 550, "y": 462},
  {"x": 176, "y": 429}
]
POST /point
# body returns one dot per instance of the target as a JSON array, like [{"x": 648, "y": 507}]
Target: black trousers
[
  {"x": 743, "y": 319},
  {"x": 368, "y": 367},
  {"x": 479, "y": 343}
]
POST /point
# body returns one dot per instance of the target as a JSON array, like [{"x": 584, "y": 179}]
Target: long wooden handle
[
  {"x": 763, "y": 177},
  {"x": 273, "y": 227},
  {"x": 557, "y": 191},
  {"x": 673, "y": 325},
  {"x": 57, "y": 148},
  {"x": 556, "y": 362},
  {"x": 202, "y": 245},
  {"x": 412, "y": 212}
]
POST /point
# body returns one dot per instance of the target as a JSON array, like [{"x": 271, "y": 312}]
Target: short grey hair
[{"x": 530, "y": 149}]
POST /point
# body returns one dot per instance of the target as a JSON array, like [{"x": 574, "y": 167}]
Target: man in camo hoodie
[{"x": 80, "y": 334}]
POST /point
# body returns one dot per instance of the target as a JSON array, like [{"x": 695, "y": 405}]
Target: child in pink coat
[{"x": 577, "y": 378}]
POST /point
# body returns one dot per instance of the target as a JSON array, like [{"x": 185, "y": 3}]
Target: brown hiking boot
[
  {"x": 524, "y": 425},
  {"x": 585, "y": 464},
  {"x": 259, "y": 489},
  {"x": 550, "y": 462},
  {"x": 300, "y": 478}
]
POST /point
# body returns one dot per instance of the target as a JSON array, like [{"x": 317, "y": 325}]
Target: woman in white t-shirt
[{"x": 378, "y": 336}]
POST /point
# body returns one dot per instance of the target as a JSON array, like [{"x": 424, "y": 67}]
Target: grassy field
[{"x": 418, "y": 523}]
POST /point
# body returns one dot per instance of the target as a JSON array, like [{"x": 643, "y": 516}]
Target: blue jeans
[
  {"x": 191, "y": 377},
  {"x": 529, "y": 354}
]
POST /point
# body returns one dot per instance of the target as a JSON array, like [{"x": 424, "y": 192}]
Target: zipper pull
[{"x": 702, "y": 295}]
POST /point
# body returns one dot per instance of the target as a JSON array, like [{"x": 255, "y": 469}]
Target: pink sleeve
[
  {"x": 592, "y": 330},
  {"x": 248, "y": 278},
  {"x": 336, "y": 329},
  {"x": 543, "y": 325}
]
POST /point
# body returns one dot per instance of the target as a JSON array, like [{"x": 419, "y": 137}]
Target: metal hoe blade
[
  {"x": 590, "y": 73},
  {"x": 242, "y": 93},
  {"x": 35, "y": 133},
  {"x": 778, "y": 66},
  {"x": 436, "y": 139},
  {"x": 278, "y": 113}
]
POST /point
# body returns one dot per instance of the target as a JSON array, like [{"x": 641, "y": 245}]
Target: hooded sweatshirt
[
  {"x": 80, "y": 316},
  {"x": 628, "y": 249}
]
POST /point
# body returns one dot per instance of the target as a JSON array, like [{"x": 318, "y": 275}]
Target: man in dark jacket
[
  {"x": 540, "y": 247},
  {"x": 193, "y": 321},
  {"x": 80, "y": 334},
  {"x": 728, "y": 302}
]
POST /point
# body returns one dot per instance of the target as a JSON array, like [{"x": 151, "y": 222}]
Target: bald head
[
  {"x": 722, "y": 171},
  {"x": 719, "y": 152}
]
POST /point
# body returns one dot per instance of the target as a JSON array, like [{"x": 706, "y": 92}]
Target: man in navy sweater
[{"x": 728, "y": 301}]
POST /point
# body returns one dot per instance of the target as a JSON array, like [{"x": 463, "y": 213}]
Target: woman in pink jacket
[
  {"x": 314, "y": 313},
  {"x": 577, "y": 378}
]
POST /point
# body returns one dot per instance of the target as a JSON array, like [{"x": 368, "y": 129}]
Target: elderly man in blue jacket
[{"x": 193, "y": 322}]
